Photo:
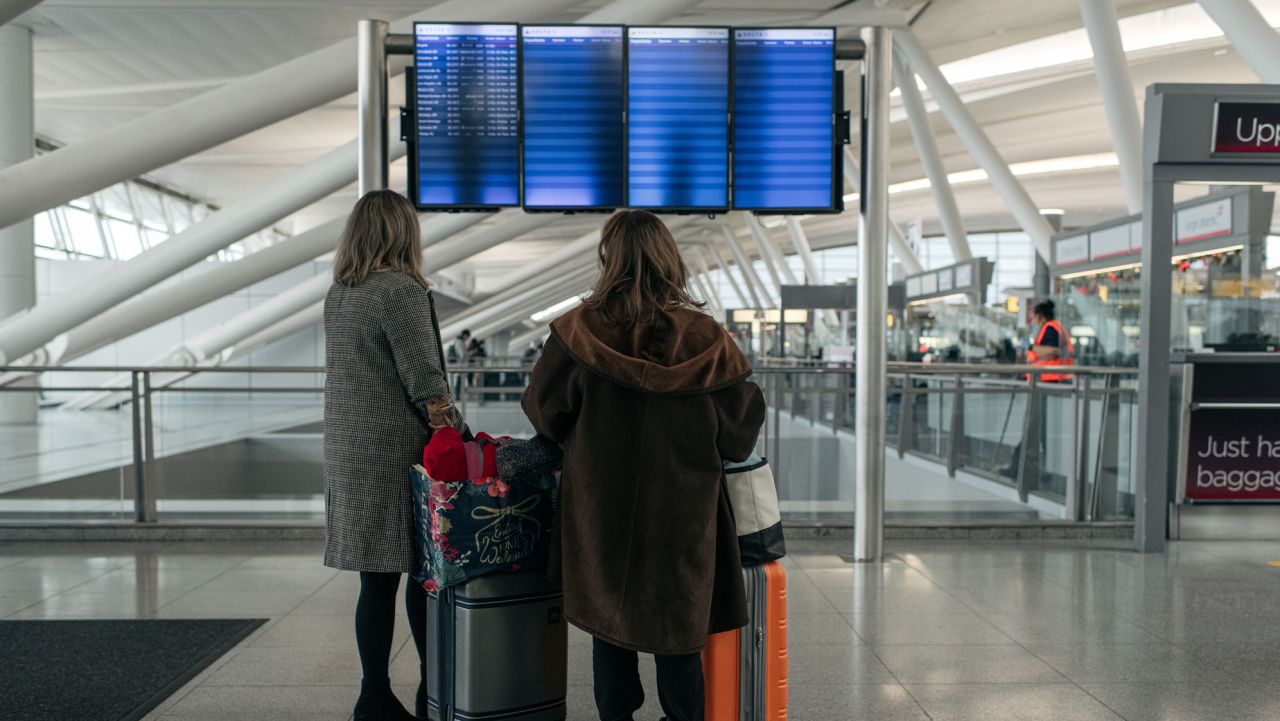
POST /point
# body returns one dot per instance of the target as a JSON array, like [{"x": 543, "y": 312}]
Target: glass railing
[{"x": 245, "y": 444}]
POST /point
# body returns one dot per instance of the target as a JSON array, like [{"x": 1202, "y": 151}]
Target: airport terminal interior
[{"x": 1003, "y": 271}]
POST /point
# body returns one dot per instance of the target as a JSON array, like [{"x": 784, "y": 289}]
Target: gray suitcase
[{"x": 497, "y": 648}]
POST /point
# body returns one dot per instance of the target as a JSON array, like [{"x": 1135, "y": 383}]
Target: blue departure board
[
  {"x": 678, "y": 118},
  {"x": 467, "y": 116},
  {"x": 783, "y": 146},
  {"x": 573, "y": 100}
]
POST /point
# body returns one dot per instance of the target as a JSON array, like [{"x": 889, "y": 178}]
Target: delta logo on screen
[{"x": 1248, "y": 128}]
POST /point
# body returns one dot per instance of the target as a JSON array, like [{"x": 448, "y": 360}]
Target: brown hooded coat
[{"x": 645, "y": 413}]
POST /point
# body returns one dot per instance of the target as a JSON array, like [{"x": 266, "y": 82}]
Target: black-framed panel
[
  {"x": 463, "y": 102},
  {"x": 679, "y": 92},
  {"x": 785, "y": 147},
  {"x": 573, "y": 104}
]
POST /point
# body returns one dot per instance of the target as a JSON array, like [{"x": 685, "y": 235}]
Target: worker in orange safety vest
[{"x": 1053, "y": 344}]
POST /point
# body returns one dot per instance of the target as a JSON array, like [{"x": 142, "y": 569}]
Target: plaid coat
[{"x": 383, "y": 363}]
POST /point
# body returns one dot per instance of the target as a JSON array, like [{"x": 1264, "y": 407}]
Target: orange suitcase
[{"x": 746, "y": 669}]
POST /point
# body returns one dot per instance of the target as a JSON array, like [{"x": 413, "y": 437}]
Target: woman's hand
[{"x": 440, "y": 413}]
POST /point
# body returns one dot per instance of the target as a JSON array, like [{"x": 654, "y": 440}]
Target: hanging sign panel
[
  {"x": 784, "y": 154},
  {"x": 1246, "y": 128},
  {"x": 573, "y": 99},
  {"x": 466, "y": 146},
  {"x": 1069, "y": 251},
  {"x": 1199, "y": 222},
  {"x": 678, "y": 118}
]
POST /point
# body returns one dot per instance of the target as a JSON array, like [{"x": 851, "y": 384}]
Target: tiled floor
[{"x": 950, "y": 631}]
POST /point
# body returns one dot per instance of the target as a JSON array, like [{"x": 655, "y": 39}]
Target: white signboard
[
  {"x": 1135, "y": 235},
  {"x": 1203, "y": 221},
  {"x": 928, "y": 284},
  {"x": 1069, "y": 251},
  {"x": 946, "y": 279},
  {"x": 1110, "y": 243},
  {"x": 913, "y": 287},
  {"x": 964, "y": 276}
]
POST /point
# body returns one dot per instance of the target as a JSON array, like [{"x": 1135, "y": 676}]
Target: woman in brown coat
[{"x": 647, "y": 394}]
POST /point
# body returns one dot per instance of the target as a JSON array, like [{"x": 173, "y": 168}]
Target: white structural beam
[
  {"x": 1250, "y": 34},
  {"x": 755, "y": 286},
  {"x": 927, "y": 148},
  {"x": 17, "y": 242},
  {"x": 1112, "y": 72},
  {"x": 710, "y": 242},
  {"x": 700, "y": 246},
  {"x": 512, "y": 303},
  {"x": 511, "y": 223},
  {"x": 10, "y": 9},
  {"x": 299, "y": 189},
  {"x": 188, "y": 127},
  {"x": 800, "y": 242},
  {"x": 774, "y": 263},
  {"x": 1015, "y": 196},
  {"x": 161, "y": 304},
  {"x": 901, "y": 247},
  {"x": 529, "y": 337},
  {"x": 708, "y": 289}
]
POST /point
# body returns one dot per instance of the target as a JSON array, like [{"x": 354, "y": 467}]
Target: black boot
[{"x": 380, "y": 704}]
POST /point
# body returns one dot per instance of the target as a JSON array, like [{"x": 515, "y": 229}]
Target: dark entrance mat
[{"x": 105, "y": 670}]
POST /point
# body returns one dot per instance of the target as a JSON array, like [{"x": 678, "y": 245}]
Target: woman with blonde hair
[
  {"x": 647, "y": 394},
  {"x": 385, "y": 389}
]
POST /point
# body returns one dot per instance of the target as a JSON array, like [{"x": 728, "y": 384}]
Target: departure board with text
[
  {"x": 467, "y": 115},
  {"x": 573, "y": 104},
  {"x": 678, "y": 118},
  {"x": 783, "y": 90}
]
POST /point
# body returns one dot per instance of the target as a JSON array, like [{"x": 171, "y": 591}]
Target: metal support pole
[
  {"x": 1151, "y": 469},
  {"x": 1042, "y": 280},
  {"x": 873, "y": 241},
  {"x": 718, "y": 257},
  {"x": 371, "y": 96},
  {"x": 139, "y": 457},
  {"x": 1117, "y": 94},
  {"x": 152, "y": 488},
  {"x": 931, "y": 159},
  {"x": 1250, "y": 34},
  {"x": 970, "y": 133}
]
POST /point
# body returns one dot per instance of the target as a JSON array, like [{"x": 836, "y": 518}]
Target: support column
[
  {"x": 873, "y": 251},
  {"x": 1117, "y": 94},
  {"x": 976, "y": 141},
  {"x": 1250, "y": 34},
  {"x": 927, "y": 149},
  {"x": 1151, "y": 467},
  {"x": 17, "y": 242},
  {"x": 718, "y": 257},
  {"x": 371, "y": 97},
  {"x": 1042, "y": 281}
]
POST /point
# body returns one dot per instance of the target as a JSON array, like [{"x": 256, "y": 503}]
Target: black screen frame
[
  {"x": 622, "y": 122},
  {"x": 412, "y": 144},
  {"x": 837, "y": 144},
  {"x": 728, "y": 151}
]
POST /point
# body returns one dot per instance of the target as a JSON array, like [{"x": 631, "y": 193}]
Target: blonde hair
[
  {"x": 641, "y": 270},
  {"x": 382, "y": 233}
]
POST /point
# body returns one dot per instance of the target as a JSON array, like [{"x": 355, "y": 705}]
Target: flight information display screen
[
  {"x": 678, "y": 118},
  {"x": 467, "y": 116},
  {"x": 573, "y": 99},
  {"x": 783, "y": 114}
]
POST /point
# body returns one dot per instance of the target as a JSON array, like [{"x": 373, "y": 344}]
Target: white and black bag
[{"x": 754, "y": 499}]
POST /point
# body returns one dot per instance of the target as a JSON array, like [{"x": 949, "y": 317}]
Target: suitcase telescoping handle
[{"x": 444, "y": 653}]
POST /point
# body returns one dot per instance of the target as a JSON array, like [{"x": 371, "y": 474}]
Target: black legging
[
  {"x": 619, "y": 694},
  {"x": 376, "y": 621}
]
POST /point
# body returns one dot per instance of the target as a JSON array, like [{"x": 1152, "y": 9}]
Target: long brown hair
[
  {"x": 382, "y": 233},
  {"x": 641, "y": 271}
]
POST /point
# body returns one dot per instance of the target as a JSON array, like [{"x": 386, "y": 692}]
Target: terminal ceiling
[{"x": 102, "y": 62}]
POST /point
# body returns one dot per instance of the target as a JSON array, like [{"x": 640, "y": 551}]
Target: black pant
[
  {"x": 619, "y": 693},
  {"x": 376, "y": 622}
]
